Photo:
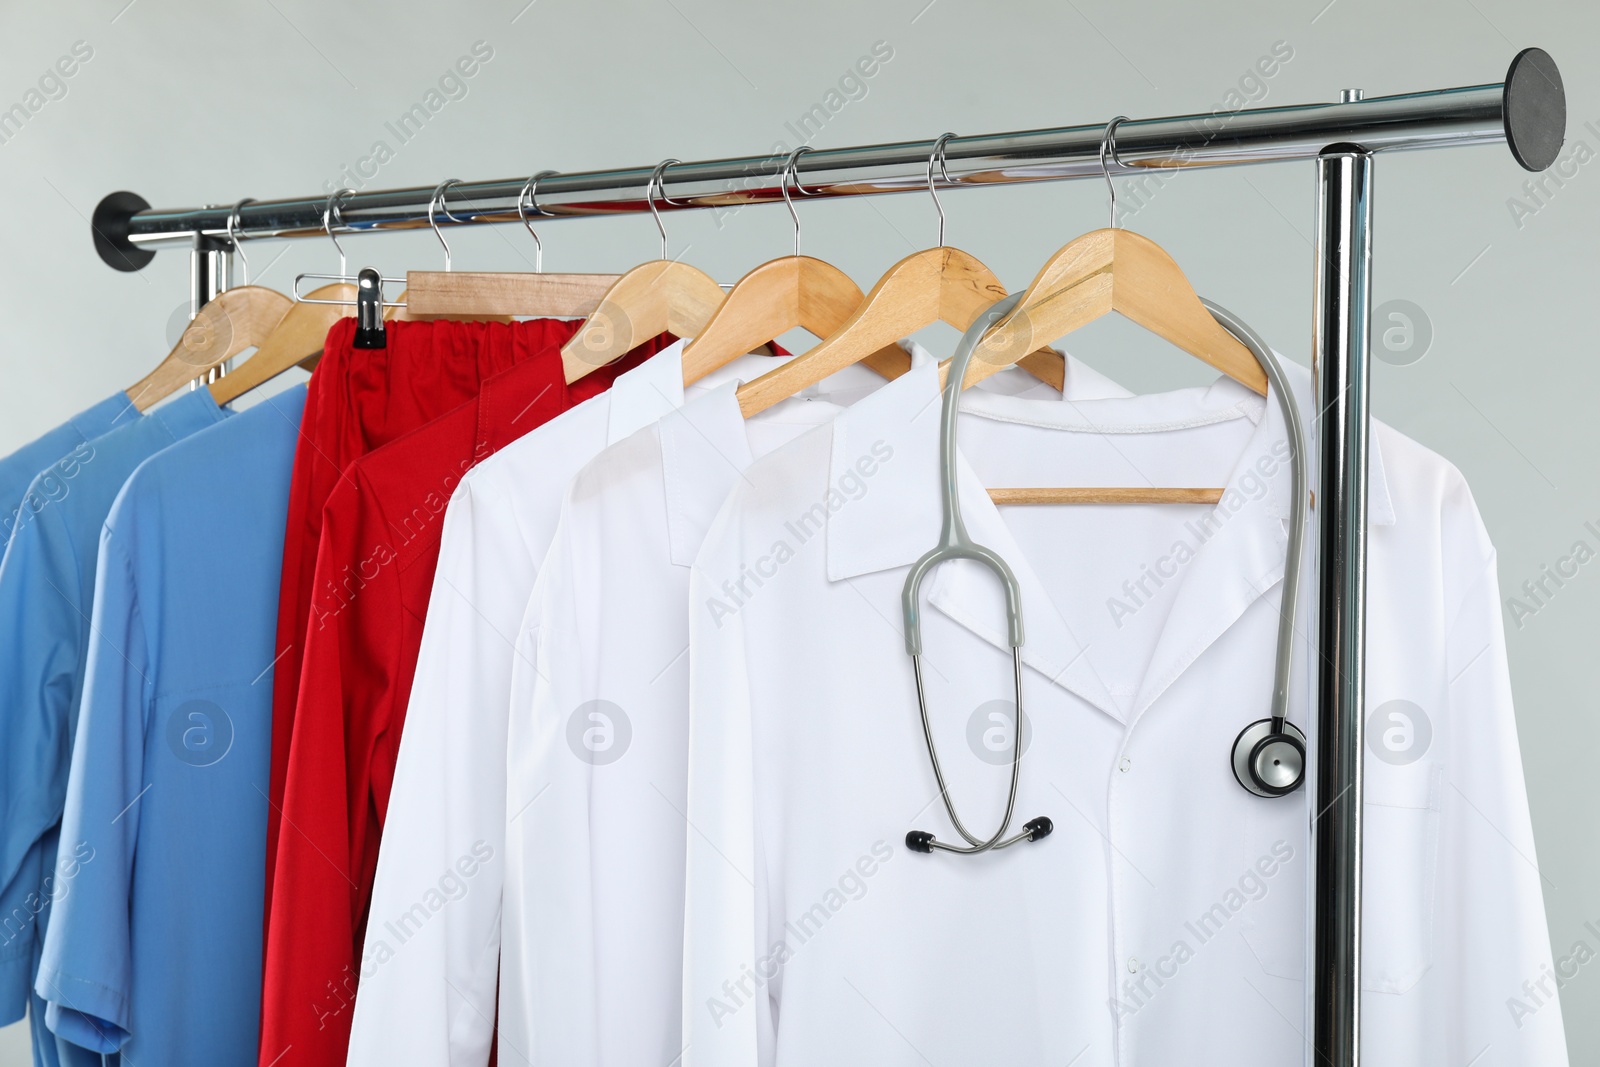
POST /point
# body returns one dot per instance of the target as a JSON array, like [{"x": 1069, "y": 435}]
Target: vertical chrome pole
[
  {"x": 210, "y": 273},
  {"x": 1342, "y": 308}
]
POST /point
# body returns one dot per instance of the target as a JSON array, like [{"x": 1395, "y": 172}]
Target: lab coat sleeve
[
  {"x": 38, "y": 641},
  {"x": 428, "y": 991},
  {"x": 1493, "y": 919},
  {"x": 85, "y": 976},
  {"x": 727, "y": 1015}
]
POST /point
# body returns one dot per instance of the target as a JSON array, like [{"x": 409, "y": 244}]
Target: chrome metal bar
[
  {"x": 1518, "y": 109},
  {"x": 1342, "y": 310},
  {"x": 210, "y": 273}
]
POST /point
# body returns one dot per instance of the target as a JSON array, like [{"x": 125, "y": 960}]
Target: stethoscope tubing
[{"x": 955, "y": 544}]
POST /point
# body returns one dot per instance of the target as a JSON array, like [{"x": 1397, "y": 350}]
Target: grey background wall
[{"x": 1485, "y": 284}]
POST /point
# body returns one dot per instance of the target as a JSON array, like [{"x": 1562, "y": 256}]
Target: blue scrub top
[
  {"x": 62, "y": 443},
  {"x": 47, "y": 581},
  {"x": 155, "y": 946}
]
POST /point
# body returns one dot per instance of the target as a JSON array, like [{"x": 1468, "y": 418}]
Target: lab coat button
[{"x": 1126, "y": 765}]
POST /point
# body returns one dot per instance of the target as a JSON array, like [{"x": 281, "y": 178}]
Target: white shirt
[
  {"x": 431, "y": 996},
  {"x": 591, "y": 959},
  {"x": 1164, "y": 920}
]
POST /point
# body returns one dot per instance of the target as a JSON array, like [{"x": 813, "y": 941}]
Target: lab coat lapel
[
  {"x": 1238, "y": 550},
  {"x": 969, "y": 594},
  {"x": 884, "y": 479},
  {"x": 1240, "y": 546}
]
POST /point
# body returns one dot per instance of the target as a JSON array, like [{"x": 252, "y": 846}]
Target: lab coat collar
[
  {"x": 647, "y": 392},
  {"x": 1239, "y": 547},
  {"x": 705, "y": 444}
]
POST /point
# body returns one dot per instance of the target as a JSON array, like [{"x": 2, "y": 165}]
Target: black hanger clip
[{"x": 369, "y": 310}]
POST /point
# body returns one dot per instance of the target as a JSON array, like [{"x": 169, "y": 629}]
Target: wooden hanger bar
[
  {"x": 1113, "y": 495},
  {"x": 442, "y": 294},
  {"x": 1106, "y": 495}
]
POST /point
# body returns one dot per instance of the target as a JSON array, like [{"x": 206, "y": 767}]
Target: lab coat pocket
[
  {"x": 1400, "y": 858},
  {"x": 1399, "y": 867}
]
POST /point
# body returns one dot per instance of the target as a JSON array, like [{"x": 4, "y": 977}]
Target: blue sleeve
[
  {"x": 38, "y": 640},
  {"x": 85, "y": 973}
]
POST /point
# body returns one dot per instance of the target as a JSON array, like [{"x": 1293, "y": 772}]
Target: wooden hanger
[
  {"x": 940, "y": 284},
  {"x": 297, "y": 337},
  {"x": 479, "y": 294},
  {"x": 661, "y": 296},
  {"x": 1101, "y": 272},
  {"x": 1115, "y": 270},
  {"x": 232, "y": 322},
  {"x": 936, "y": 285},
  {"x": 1091, "y": 276},
  {"x": 778, "y": 296}
]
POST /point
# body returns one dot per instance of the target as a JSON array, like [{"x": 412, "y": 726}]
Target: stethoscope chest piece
[{"x": 1270, "y": 762}]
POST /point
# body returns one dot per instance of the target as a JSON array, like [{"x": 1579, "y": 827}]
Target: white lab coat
[
  {"x": 593, "y": 925},
  {"x": 1164, "y": 920}
]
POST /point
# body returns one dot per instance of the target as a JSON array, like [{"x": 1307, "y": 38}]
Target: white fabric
[
  {"x": 1164, "y": 920},
  {"x": 431, "y": 998},
  {"x": 593, "y": 923}
]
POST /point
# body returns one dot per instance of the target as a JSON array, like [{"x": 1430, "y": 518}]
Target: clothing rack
[{"x": 1526, "y": 111}]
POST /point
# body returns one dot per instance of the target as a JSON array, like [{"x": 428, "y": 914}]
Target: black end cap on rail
[
  {"x": 1535, "y": 109},
  {"x": 110, "y": 225}
]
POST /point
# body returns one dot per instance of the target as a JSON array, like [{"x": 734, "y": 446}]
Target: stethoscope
[{"x": 1269, "y": 755}]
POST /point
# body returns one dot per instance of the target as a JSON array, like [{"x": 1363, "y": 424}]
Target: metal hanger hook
[
  {"x": 1108, "y": 144},
  {"x": 330, "y": 215},
  {"x": 654, "y": 185},
  {"x": 435, "y": 202},
  {"x": 938, "y": 154},
  {"x": 529, "y": 193},
  {"x": 791, "y": 174},
  {"x": 233, "y": 221}
]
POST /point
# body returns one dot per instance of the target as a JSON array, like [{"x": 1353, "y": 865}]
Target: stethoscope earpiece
[
  {"x": 1269, "y": 758},
  {"x": 1032, "y": 830}
]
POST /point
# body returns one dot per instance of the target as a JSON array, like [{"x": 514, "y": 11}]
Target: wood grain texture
[
  {"x": 236, "y": 320},
  {"x": 454, "y": 294},
  {"x": 297, "y": 338},
  {"x": 1114, "y": 270},
  {"x": 662, "y": 296},
  {"x": 935, "y": 285},
  {"x": 778, "y": 296},
  {"x": 1106, "y": 495}
]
